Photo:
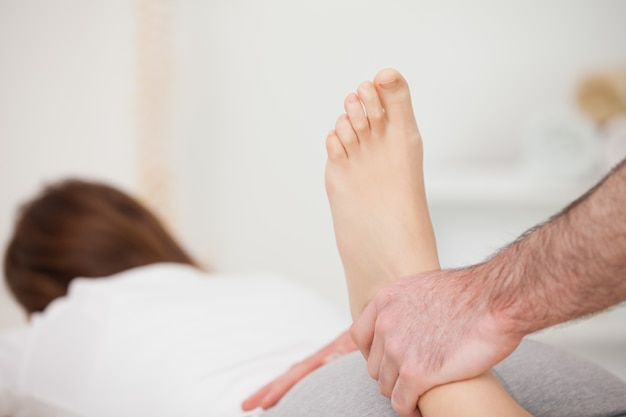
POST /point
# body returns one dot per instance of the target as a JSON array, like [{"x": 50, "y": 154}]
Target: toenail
[
  {"x": 353, "y": 98},
  {"x": 389, "y": 83}
]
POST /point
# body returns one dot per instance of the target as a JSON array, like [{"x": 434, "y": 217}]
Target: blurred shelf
[
  {"x": 502, "y": 189},
  {"x": 608, "y": 327}
]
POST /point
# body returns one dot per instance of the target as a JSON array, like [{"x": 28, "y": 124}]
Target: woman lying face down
[
  {"x": 123, "y": 322},
  {"x": 81, "y": 229}
]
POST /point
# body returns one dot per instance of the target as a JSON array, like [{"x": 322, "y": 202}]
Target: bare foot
[{"x": 375, "y": 184}]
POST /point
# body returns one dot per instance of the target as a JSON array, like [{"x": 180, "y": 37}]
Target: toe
[
  {"x": 358, "y": 119},
  {"x": 395, "y": 96},
  {"x": 346, "y": 135},
  {"x": 334, "y": 148},
  {"x": 373, "y": 107}
]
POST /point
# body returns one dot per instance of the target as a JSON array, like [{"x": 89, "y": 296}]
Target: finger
[
  {"x": 255, "y": 399},
  {"x": 406, "y": 393},
  {"x": 284, "y": 383},
  {"x": 388, "y": 373},
  {"x": 362, "y": 330},
  {"x": 272, "y": 392},
  {"x": 345, "y": 344},
  {"x": 337, "y": 348},
  {"x": 377, "y": 352},
  {"x": 406, "y": 411},
  {"x": 340, "y": 347}
]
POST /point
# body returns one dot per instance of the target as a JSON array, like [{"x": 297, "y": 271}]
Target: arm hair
[{"x": 571, "y": 266}]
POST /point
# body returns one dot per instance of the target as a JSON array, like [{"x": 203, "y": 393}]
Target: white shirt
[{"x": 166, "y": 340}]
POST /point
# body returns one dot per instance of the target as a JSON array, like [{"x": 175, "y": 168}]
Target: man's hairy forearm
[{"x": 571, "y": 266}]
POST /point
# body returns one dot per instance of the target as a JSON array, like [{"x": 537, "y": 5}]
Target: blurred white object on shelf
[
  {"x": 615, "y": 137},
  {"x": 561, "y": 144}
]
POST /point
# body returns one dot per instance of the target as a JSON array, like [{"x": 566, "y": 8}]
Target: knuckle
[
  {"x": 376, "y": 115},
  {"x": 408, "y": 372},
  {"x": 383, "y": 325},
  {"x": 394, "y": 349},
  {"x": 384, "y": 389},
  {"x": 401, "y": 406},
  {"x": 385, "y": 295},
  {"x": 359, "y": 125},
  {"x": 356, "y": 335},
  {"x": 380, "y": 327},
  {"x": 348, "y": 138}
]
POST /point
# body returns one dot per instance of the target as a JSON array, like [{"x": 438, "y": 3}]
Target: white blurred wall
[
  {"x": 262, "y": 82},
  {"x": 258, "y": 85}
]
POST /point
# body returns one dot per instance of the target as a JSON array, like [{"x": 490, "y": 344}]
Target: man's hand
[
  {"x": 271, "y": 393},
  {"x": 427, "y": 330}
]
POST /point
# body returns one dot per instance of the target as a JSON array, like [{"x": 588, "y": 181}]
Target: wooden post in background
[{"x": 154, "y": 94}]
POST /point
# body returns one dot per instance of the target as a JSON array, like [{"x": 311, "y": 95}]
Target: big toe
[{"x": 395, "y": 96}]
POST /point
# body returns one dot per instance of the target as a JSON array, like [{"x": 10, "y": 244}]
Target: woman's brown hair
[{"x": 81, "y": 229}]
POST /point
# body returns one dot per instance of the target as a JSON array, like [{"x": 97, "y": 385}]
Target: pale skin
[{"x": 375, "y": 186}]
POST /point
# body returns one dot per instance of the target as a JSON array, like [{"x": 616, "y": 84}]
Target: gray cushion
[{"x": 544, "y": 380}]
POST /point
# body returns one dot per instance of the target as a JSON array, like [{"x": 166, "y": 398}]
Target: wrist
[{"x": 507, "y": 302}]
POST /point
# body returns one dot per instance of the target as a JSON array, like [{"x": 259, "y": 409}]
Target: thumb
[{"x": 362, "y": 330}]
